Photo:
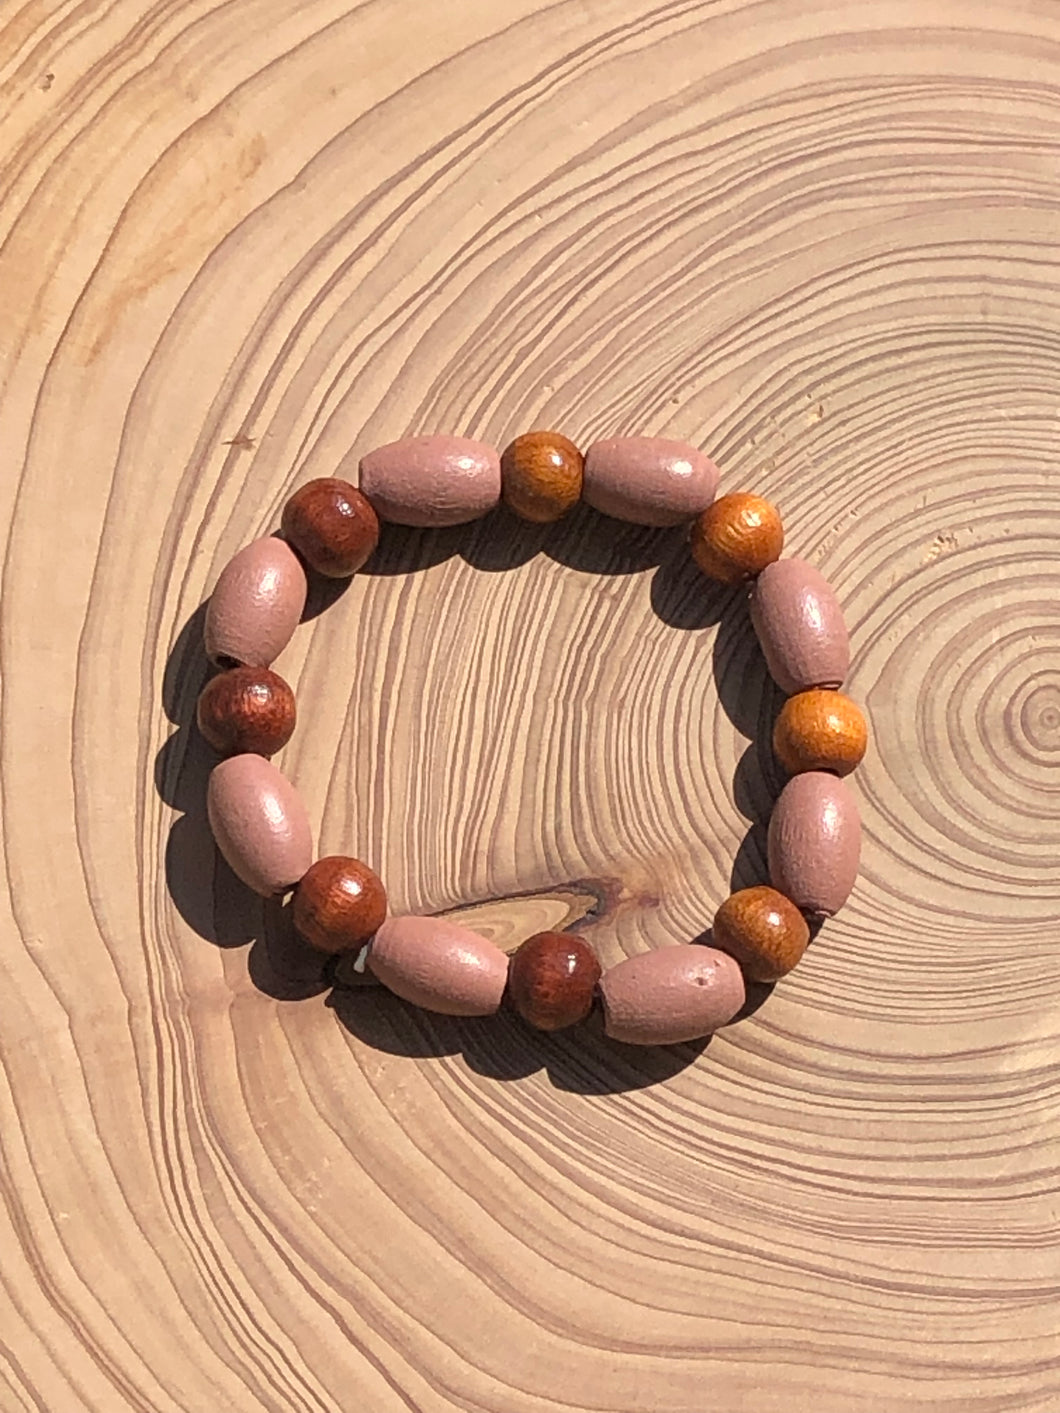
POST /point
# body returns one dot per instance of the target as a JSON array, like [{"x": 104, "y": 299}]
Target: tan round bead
[
  {"x": 736, "y": 537},
  {"x": 671, "y": 995},
  {"x": 763, "y": 930},
  {"x": 439, "y": 965},
  {"x": 820, "y": 730},
  {"x": 541, "y": 476}
]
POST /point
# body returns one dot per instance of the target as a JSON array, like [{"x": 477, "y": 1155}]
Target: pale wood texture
[{"x": 242, "y": 244}]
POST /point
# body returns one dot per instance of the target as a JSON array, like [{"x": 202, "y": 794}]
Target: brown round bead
[
  {"x": 541, "y": 476},
  {"x": 247, "y": 710},
  {"x": 552, "y": 979},
  {"x": 820, "y": 730},
  {"x": 339, "y": 904},
  {"x": 736, "y": 537},
  {"x": 763, "y": 931},
  {"x": 331, "y": 525}
]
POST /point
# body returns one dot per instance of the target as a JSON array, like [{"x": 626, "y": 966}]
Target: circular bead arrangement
[{"x": 553, "y": 980}]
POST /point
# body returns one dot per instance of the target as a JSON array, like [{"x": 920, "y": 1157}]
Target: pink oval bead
[
  {"x": 800, "y": 626},
  {"x": 439, "y": 966},
  {"x": 814, "y": 842},
  {"x": 260, "y": 823},
  {"x": 673, "y": 994},
  {"x": 648, "y": 480},
  {"x": 256, "y": 605},
  {"x": 432, "y": 481}
]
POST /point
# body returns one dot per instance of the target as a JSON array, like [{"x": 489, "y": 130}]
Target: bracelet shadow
[{"x": 581, "y": 1060}]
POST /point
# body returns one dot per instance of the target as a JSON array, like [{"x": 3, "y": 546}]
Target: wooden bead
[
  {"x": 814, "y": 842},
  {"x": 439, "y": 965},
  {"x": 331, "y": 525},
  {"x": 736, "y": 537},
  {"x": 432, "y": 481},
  {"x": 670, "y": 995},
  {"x": 648, "y": 480},
  {"x": 541, "y": 476},
  {"x": 247, "y": 709},
  {"x": 256, "y": 605},
  {"x": 800, "y": 626},
  {"x": 763, "y": 930},
  {"x": 260, "y": 824},
  {"x": 820, "y": 730},
  {"x": 552, "y": 979},
  {"x": 339, "y": 904}
]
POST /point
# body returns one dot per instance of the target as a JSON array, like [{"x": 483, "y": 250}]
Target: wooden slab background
[{"x": 244, "y": 242}]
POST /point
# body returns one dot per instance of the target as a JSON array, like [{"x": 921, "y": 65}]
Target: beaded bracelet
[{"x": 247, "y": 713}]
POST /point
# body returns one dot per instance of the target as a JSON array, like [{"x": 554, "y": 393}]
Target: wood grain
[{"x": 242, "y": 244}]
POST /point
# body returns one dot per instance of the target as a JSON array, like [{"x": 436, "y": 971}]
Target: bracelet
[{"x": 247, "y": 713}]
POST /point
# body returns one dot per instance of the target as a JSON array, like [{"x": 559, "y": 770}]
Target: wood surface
[{"x": 242, "y": 244}]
